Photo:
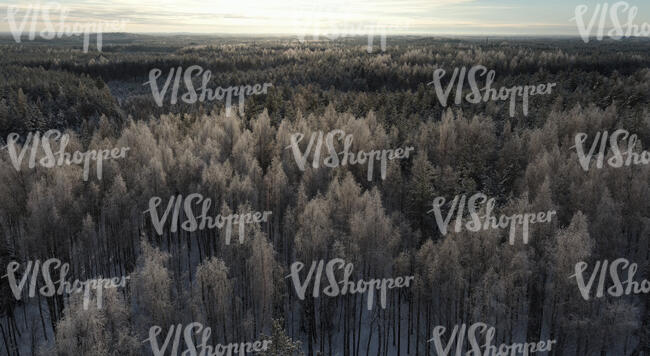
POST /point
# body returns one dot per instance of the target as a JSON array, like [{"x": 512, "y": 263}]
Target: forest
[{"x": 242, "y": 163}]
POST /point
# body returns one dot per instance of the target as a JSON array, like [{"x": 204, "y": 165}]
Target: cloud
[{"x": 292, "y": 16}]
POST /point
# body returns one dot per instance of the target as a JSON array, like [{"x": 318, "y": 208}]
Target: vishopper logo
[
  {"x": 204, "y": 221},
  {"x": 618, "y": 159},
  {"x": 202, "y": 349},
  {"x": 204, "y": 93},
  {"x": 487, "y": 221},
  {"x": 473, "y": 334},
  {"x": 617, "y": 30},
  {"x": 334, "y": 20},
  {"x": 49, "y": 160},
  {"x": 347, "y": 287},
  {"x": 620, "y": 287},
  {"x": 59, "y": 26},
  {"x": 64, "y": 287},
  {"x": 489, "y": 93},
  {"x": 333, "y": 161}
]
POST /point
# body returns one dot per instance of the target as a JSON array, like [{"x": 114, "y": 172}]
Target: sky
[{"x": 311, "y": 18}]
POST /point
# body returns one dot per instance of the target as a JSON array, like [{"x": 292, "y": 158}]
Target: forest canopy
[{"x": 382, "y": 226}]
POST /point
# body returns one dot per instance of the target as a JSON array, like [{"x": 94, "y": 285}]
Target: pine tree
[{"x": 281, "y": 344}]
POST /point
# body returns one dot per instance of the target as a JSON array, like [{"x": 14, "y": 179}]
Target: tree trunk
[
  {"x": 399, "y": 323},
  {"x": 417, "y": 326},
  {"x": 4, "y": 338}
]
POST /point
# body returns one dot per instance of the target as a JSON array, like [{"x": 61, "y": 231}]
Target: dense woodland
[{"x": 384, "y": 227}]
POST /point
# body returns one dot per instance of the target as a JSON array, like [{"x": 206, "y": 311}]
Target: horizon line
[{"x": 325, "y": 36}]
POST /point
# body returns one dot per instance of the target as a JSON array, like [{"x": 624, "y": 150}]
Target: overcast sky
[{"x": 467, "y": 17}]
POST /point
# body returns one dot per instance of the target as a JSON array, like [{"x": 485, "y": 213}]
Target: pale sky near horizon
[{"x": 308, "y": 17}]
